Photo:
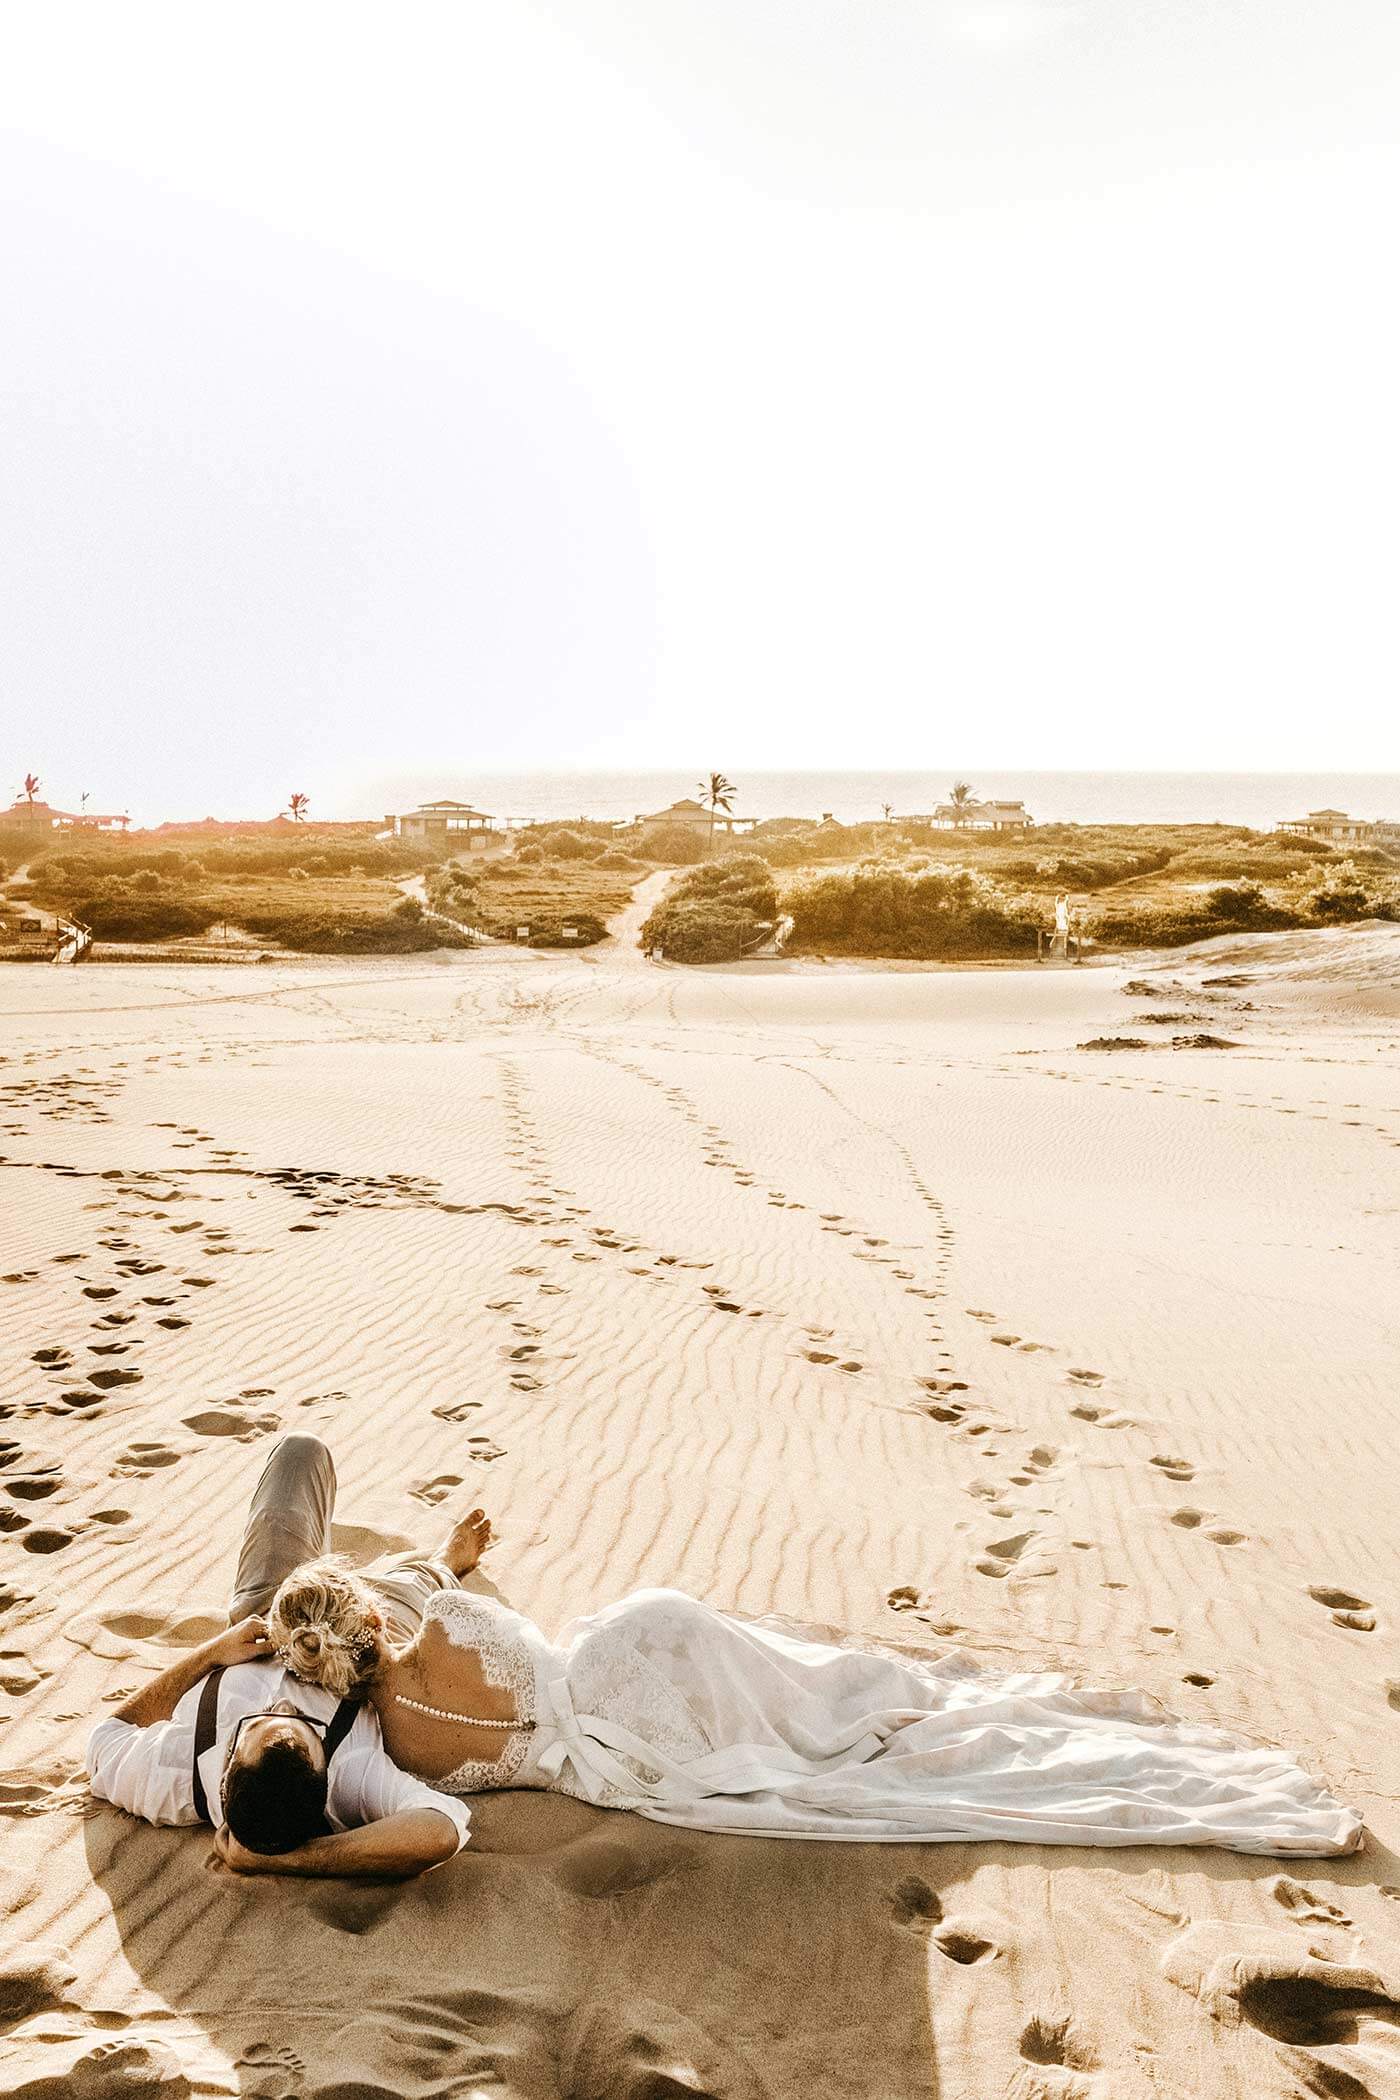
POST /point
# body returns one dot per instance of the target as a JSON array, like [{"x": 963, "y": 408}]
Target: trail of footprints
[
  {"x": 1022, "y": 1552},
  {"x": 1018, "y": 1549}
]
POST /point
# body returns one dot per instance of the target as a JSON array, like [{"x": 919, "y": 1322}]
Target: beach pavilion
[{"x": 444, "y": 823}]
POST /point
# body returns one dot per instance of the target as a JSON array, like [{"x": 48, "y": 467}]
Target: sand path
[{"x": 867, "y": 1297}]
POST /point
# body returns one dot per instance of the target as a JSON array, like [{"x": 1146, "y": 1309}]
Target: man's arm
[
  {"x": 394, "y": 1849},
  {"x": 140, "y": 1757},
  {"x": 157, "y": 1701}
]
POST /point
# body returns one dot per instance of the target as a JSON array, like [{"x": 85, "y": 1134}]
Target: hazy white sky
[{"x": 717, "y": 382}]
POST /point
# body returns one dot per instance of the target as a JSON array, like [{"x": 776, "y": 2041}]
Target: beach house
[
  {"x": 446, "y": 824},
  {"x": 31, "y": 820},
  {"x": 697, "y": 817},
  {"x": 1335, "y": 828},
  {"x": 979, "y": 816}
]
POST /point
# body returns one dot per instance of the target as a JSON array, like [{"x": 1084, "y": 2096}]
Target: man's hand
[
  {"x": 394, "y": 1849},
  {"x": 237, "y": 1858},
  {"x": 156, "y": 1701},
  {"x": 244, "y": 1643},
  {"x": 467, "y": 1541}
]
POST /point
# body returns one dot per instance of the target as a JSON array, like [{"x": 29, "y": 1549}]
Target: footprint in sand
[
  {"x": 1089, "y": 1378},
  {"x": 46, "y": 1539},
  {"x": 19, "y": 1676},
  {"x": 1355, "y": 1613},
  {"x": 1001, "y": 1556},
  {"x": 1057, "y": 2042},
  {"x": 34, "y": 1487},
  {"x": 146, "y": 1458},
  {"x": 1253, "y": 1973},
  {"x": 1178, "y": 1469},
  {"x": 1303, "y": 1905},
  {"x": 1189, "y": 1519},
  {"x": 108, "y": 1381},
  {"x": 456, "y": 1410},
  {"x": 282, "y": 2068},
  {"x": 917, "y": 1909},
  {"x": 436, "y": 1490},
  {"x": 232, "y": 1422}
]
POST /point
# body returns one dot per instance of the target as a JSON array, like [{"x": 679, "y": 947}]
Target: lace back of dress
[{"x": 485, "y": 1627}]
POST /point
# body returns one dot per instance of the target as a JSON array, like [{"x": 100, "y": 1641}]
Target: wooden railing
[{"x": 74, "y": 940}]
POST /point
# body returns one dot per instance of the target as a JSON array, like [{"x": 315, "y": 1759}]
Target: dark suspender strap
[
  {"x": 206, "y": 1727},
  {"x": 342, "y": 1721}
]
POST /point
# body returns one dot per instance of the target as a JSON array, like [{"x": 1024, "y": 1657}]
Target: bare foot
[{"x": 467, "y": 1541}]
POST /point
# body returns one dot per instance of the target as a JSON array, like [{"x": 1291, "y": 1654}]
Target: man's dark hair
[{"x": 277, "y": 1803}]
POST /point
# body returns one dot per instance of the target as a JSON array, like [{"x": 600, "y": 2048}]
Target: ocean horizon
[{"x": 1260, "y": 800}]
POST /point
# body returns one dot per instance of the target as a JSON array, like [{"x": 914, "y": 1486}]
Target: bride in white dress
[{"x": 664, "y": 1705}]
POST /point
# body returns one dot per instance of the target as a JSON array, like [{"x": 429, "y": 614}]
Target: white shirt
[{"x": 149, "y": 1771}]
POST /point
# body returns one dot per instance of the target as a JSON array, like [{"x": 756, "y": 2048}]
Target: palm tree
[
  {"x": 887, "y": 811},
  {"x": 961, "y": 798},
  {"x": 31, "y": 787},
  {"x": 297, "y": 807},
  {"x": 717, "y": 794}
]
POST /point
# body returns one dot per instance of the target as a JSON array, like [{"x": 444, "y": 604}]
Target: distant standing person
[{"x": 1060, "y": 944}]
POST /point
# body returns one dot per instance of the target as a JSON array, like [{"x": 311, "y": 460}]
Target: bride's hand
[{"x": 244, "y": 1643}]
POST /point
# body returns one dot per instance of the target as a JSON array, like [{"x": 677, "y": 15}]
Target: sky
[{"x": 708, "y": 383}]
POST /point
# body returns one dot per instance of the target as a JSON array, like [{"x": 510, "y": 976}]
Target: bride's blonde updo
[{"x": 325, "y": 1625}]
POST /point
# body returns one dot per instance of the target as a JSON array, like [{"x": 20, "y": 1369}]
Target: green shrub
[
  {"x": 571, "y": 845},
  {"x": 1234, "y": 908},
  {"x": 393, "y": 932},
  {"x": 741, "y": 879},
  {"x": 547, "y": 929},
  {"x": 1078, "y": 871},
  {"x": 935, "y": 913},
  {"x": 715, "y": 911},
  {"x": 673, "y": 845},
  {"x": 1342, "y": 892},
  {"x": 703, "y": 930},
  {"x": 116, "y": 915},
  {"x": 453, "y": 889}
]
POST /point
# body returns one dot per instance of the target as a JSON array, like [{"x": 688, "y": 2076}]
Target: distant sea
[{"x": 1258, "y": 799}]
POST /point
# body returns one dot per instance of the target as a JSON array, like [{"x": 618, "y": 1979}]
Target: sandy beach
[{"x": 864, "y": 1296}]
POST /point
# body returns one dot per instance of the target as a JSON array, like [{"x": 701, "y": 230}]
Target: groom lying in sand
[{"x": 294, "y": 1781}]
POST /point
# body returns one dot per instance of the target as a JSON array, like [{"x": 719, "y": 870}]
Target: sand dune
[{"x": 867, "y": 1297}]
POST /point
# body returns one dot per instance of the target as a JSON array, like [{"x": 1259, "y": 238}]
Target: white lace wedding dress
[{"x": 666, "y": 1706}]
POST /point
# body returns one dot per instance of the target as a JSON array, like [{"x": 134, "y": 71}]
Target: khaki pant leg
[
  {"x": 405, "y": 1584},
  {"x": 289, "y": 1521}
]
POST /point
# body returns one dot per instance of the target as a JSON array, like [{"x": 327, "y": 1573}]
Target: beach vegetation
[
  {"x": 716, "y": 912},
  {"x": 932, "y": 912},
  {"x": 668, "y": 845}
]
